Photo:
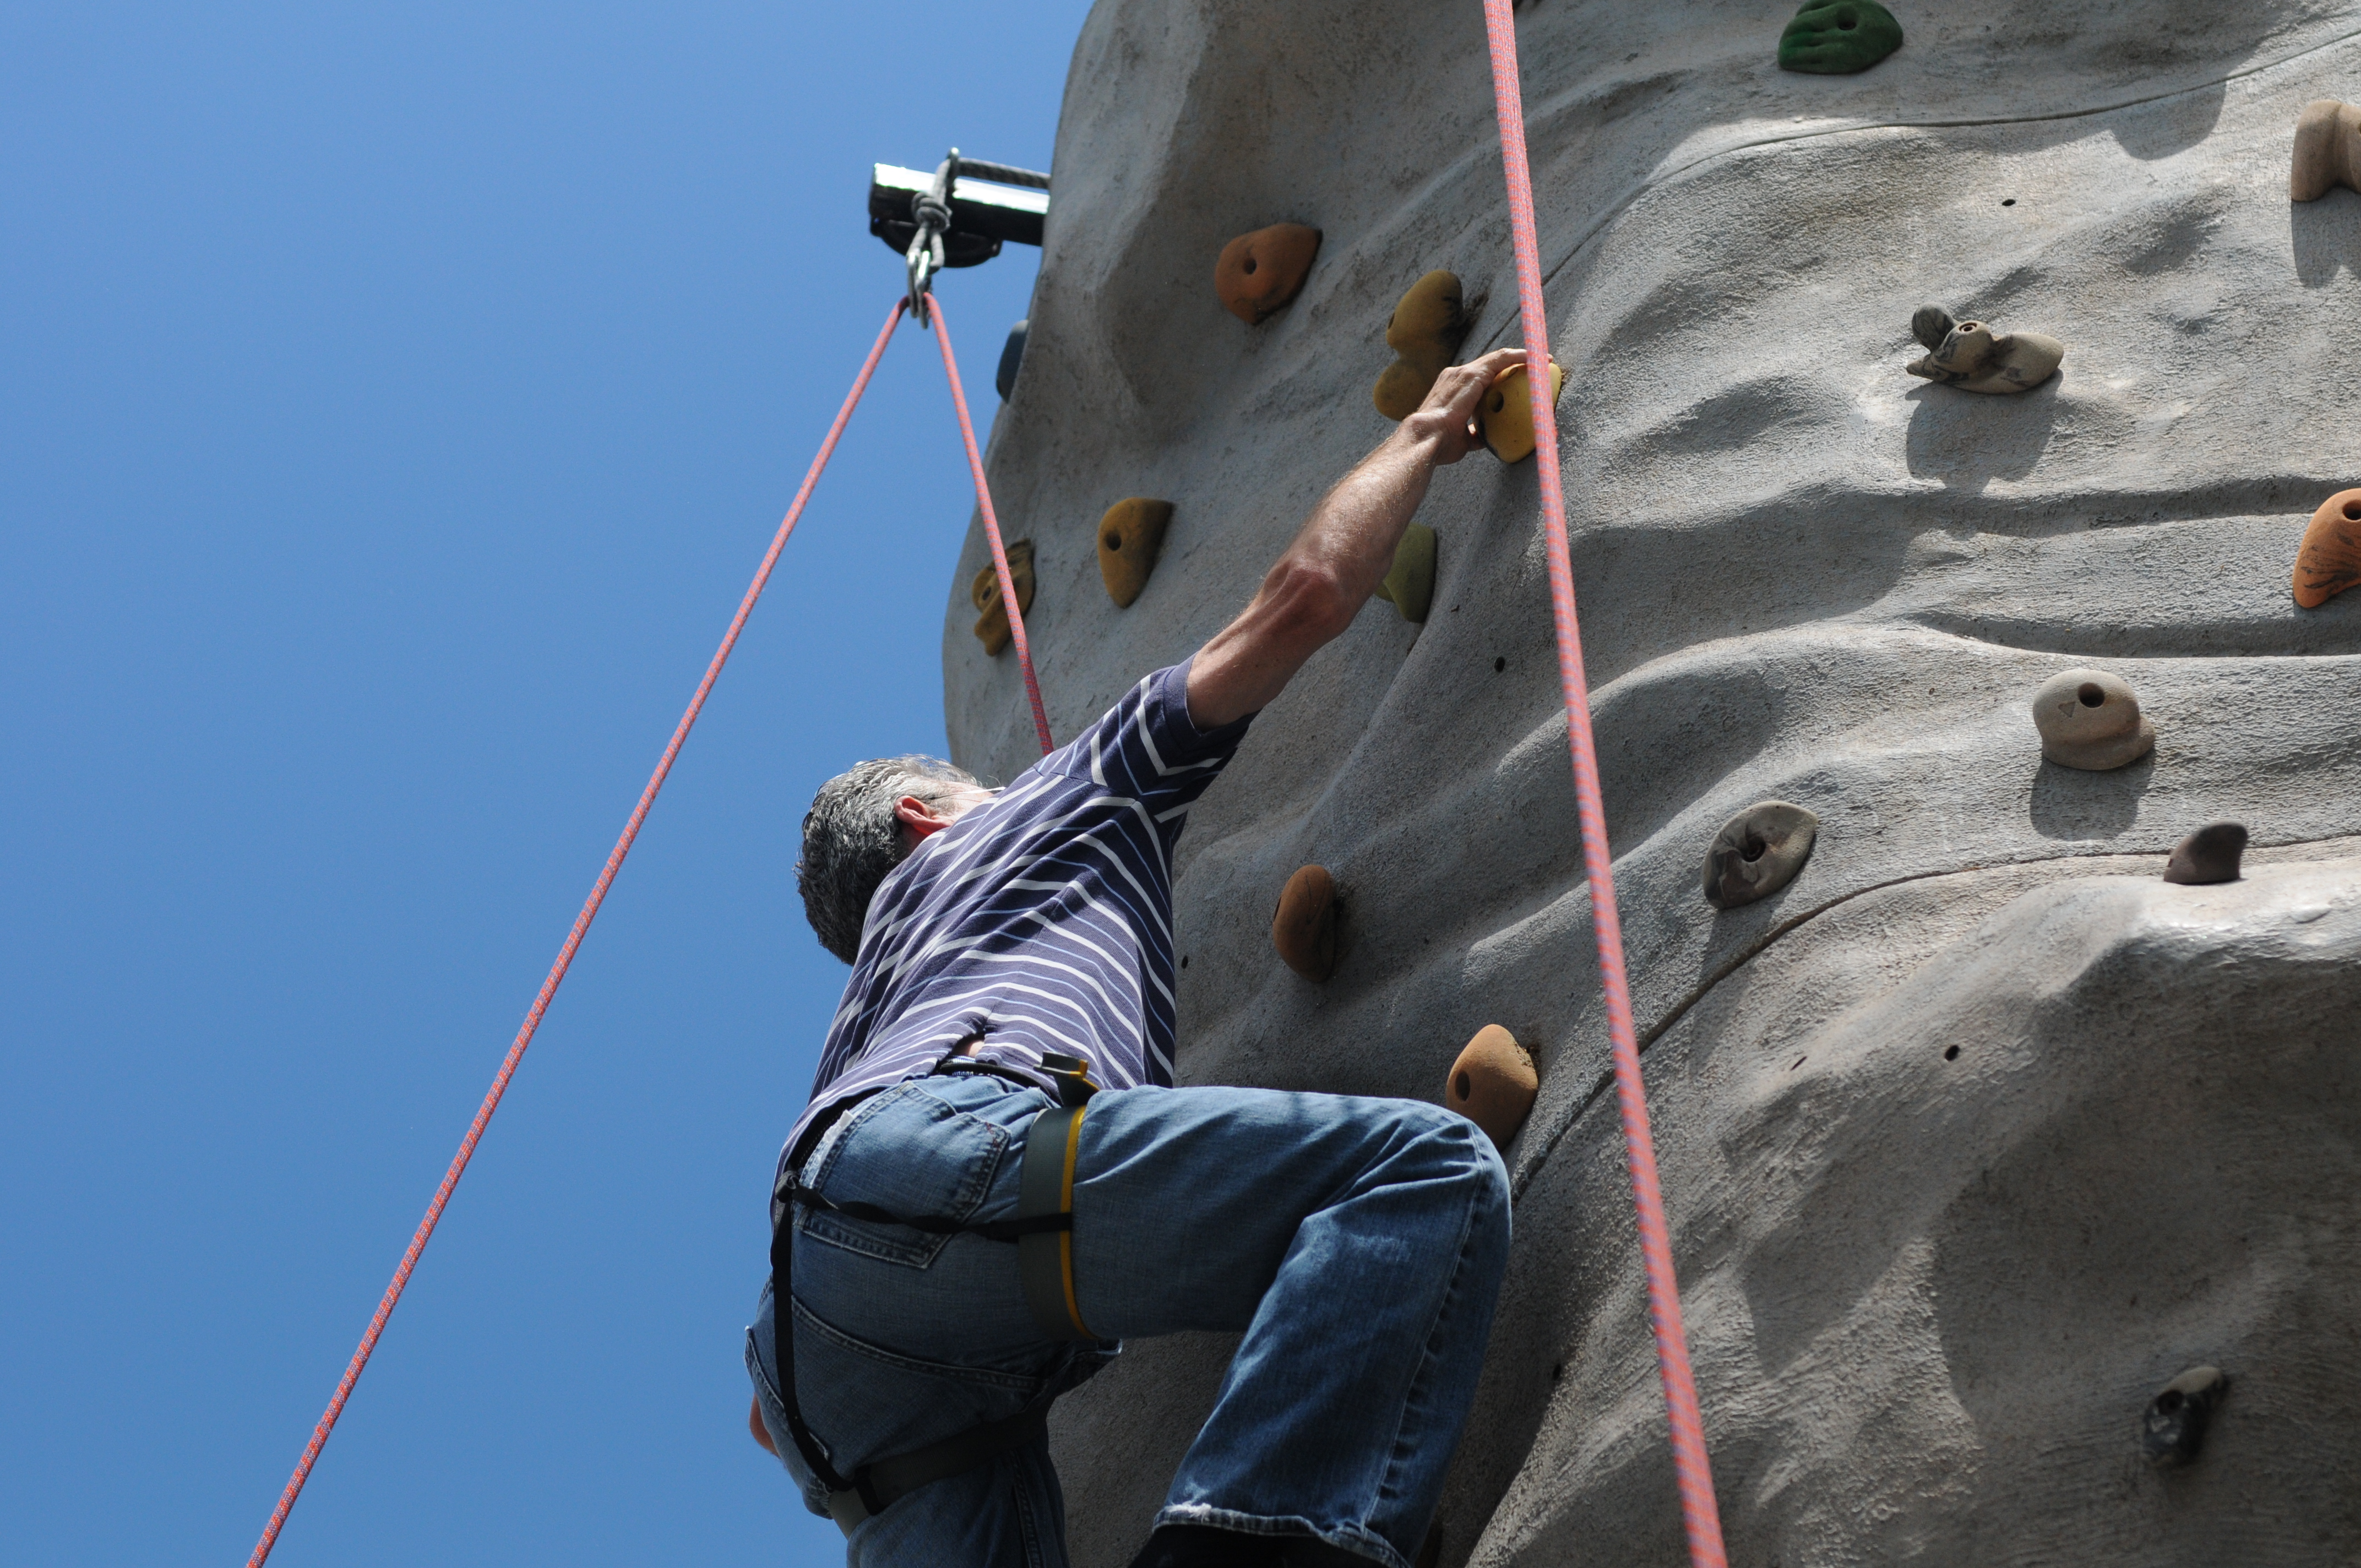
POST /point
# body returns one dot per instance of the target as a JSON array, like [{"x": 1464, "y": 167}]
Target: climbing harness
[
  {"x": 1700, "y": 1517},
  {"x": 1043, "y": 1229},
  {"x": 968, "y": 217}
]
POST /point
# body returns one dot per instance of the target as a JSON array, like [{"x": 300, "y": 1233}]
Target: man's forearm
[{"x": 1339, "y": 554}]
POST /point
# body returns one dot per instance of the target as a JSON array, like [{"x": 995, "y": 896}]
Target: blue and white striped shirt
[{"x": 1042, "y": 921}]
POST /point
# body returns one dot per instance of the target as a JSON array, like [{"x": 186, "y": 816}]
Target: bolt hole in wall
[
  {"x": 1950, "y": 1053},
  {"x": 2008, "y": 201},
  {"x": 1498, "y": 665}
]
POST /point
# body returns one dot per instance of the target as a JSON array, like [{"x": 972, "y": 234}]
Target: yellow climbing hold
[
  {"x": 1410, "y": 585},
  {"x": 992, "y": 626},
  {"x": 1506, "y": 412},
  {"x": 1425, "y": 331},
  {"x": 1130, "y": 536}
]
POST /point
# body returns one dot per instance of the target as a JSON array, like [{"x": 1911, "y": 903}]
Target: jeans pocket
[{"x": 908, "y": 1152}]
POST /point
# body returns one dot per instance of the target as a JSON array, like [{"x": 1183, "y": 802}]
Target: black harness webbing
[{"x": 1043, "y": 1231}]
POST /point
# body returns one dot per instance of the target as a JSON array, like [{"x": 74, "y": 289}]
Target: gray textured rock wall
[{"x": 1927, "y": 1293}]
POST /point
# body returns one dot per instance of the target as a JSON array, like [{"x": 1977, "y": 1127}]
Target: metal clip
[{"x": 924, "y": 256}]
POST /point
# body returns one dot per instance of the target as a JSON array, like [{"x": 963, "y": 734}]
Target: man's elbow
[{"x": 1308, "y": 601}]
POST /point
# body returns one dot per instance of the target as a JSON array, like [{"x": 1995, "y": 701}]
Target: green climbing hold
[
  {"x": 1410, "y": 586},
  {"x": 1836, "y": 37}
]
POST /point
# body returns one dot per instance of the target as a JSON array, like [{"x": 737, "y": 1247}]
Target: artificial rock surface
[{"x": 1976, "y": 1134}]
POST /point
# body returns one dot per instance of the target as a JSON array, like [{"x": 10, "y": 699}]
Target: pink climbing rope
[
  {"x": 991, "y": 525},
  {"x": 573, "y": 941},
  {"x": 1700, "y": 1515}
]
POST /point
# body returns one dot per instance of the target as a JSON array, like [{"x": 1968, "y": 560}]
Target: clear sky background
[{"x": 397, "y": 400}]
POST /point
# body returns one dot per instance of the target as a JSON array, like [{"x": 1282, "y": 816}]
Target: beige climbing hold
[
  {"x": 1973, "y": 357},
  {"x": 1493, "y": 1083},
  {"x": 1259, "y": 273},
  {"x": 1426, "y": 329},
  {"x": 1303, "y": 927},
  {"x": 2328, "y": 562},
  {"x": 2089, "y": 719},
  {"x": 2327, "y": 150},
  {"x": 992, "y": 626},
  {"x": 1409, "y": 585},
  {"x": 1506, "y": 412},
  {"x": 1130, "y": 536},
  {"x": 1758, "y": 852}
]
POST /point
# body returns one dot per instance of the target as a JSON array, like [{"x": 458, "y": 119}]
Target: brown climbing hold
[
  {"x": 1409, "y": 583},
  {"x": 2327, "y": 150},
  {"x": 1758, "y": 852},
  {"x": 1303, "y": 927},
  {"x": 2172, "y": 1429},
  {"x": 1130, "y": 536},
  {"x": 1973, "y": 357},
  {"x": 2089, "y": 719},
  {"x": 1426, "y": 329},
  {"x": 2328, "y": 562},
  {"x": 1506, "y": 412},
  {"x": 1258, "y": 273},
  {"x": 992, "y": 626},
  {"x": 2209, "y": 855},
  {"x": 1493, "y": 1083}
]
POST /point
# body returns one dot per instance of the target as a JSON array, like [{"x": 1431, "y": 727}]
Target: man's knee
[{"x": 1447, "y": 1147}]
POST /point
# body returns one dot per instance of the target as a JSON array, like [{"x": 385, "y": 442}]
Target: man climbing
[{"x": 994, "y": 1181}]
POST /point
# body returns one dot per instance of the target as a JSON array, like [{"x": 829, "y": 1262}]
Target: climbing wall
[{"x": 1977, "y": 1133}]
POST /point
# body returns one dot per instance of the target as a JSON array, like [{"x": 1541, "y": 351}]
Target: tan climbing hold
[
  {"x": 1506, "y": 412},
  {"x": 2327, "y": 150},
  {"x": 1258, "y": 273},
  {"x": 2328, "y": 562},
  {"x": 992, "y": 626},
  {"x": 1493, "y": 1083},
  {"x": 1409, "y": 585},
  {"x": 2089, "y": 719},
  {"x": 1130, "y": 537},
  {"x": 1303, "y": 927},
  {"x": 1426, "y": 329},
  {"x": 1758, "y": 852},
  {"x": 1973, "y": 357}
]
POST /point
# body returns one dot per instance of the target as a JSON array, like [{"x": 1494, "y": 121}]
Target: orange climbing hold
[
  {"x": 992, "y": 626},
  {"x": 1493, "y": 1083},
  {"x": 1259, "y": 273},
  {"x": 2328, "y": 562},
  {"x": 1131, "y": 536},
  {"x": 1303, "y": 927}
]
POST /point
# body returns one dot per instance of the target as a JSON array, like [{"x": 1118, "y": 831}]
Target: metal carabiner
[{"x": 925, "y": 257}]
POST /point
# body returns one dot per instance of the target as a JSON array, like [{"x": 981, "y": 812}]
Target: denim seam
[
  {"x": 1355, "y": 1539},
  {"x": 806, "y": 1317},
  {"x": 1429, "y": 1351}
]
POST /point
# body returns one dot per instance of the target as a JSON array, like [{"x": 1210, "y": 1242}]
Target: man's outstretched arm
[{"x": 1341, "y": 554}]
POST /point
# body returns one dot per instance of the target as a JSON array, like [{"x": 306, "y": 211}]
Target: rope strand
[
  {"x": 1700, "y": 1515},
  {"x": 991, "y": 525},
  {"x": 565, "y": 957}
]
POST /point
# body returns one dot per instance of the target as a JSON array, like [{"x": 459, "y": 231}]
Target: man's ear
[{"x": 918, "y": 816}]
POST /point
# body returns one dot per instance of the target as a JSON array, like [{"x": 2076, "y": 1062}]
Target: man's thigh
[{"x": 1188, "y": 1201}]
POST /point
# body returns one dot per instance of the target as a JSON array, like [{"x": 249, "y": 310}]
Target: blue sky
[{"x": 396, "y": 403}]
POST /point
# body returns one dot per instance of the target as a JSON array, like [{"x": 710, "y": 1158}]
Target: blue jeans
[{"x": 1359, "y": 1243}]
